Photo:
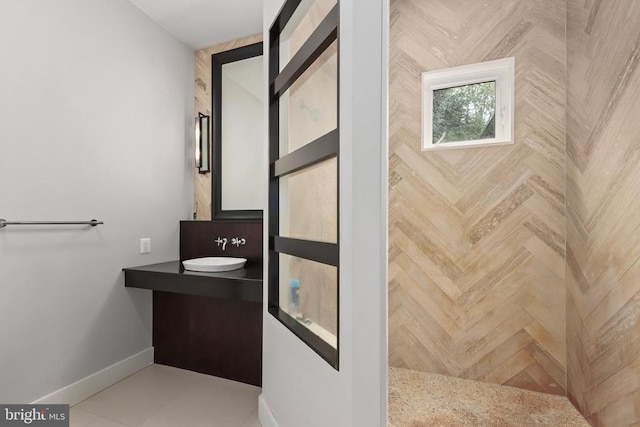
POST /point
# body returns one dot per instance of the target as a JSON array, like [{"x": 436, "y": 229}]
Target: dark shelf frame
[
  {"x": 323, "y": 252},
  {"x": 313, "y": 47},
  {"x": 323, "y": 148}
]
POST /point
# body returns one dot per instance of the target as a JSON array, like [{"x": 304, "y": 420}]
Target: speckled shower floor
[{"x": 418, "y": 399}]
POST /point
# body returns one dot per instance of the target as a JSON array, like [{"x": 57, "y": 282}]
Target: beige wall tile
[
  {"x": 477, "y": 235},
  {"x": 603, "y": 189}
]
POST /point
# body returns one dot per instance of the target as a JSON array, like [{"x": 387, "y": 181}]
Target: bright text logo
[{"x": 34, "y": 415}]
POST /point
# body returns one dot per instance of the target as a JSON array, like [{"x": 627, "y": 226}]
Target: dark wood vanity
[
  {"x": 208, "y": 322},
  {"x": 212, "y": 322}
]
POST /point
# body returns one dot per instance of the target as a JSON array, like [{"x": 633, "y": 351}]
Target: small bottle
[{"x": 294, "y": 286}]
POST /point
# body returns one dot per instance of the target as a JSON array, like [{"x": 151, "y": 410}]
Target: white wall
[
  {"x": 96, "y": 121},
  {"x": 299, "y": 388}
]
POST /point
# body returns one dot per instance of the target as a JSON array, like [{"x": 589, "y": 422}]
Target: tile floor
[
  {"x": 160, "y": 396},
  {"x": 419, "y": 399}
]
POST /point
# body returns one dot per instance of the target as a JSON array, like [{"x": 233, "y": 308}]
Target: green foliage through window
[{"x": 464, "y": 113}]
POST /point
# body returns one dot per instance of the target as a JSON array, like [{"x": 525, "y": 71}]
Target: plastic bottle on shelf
[{"x": 294, "y": 287}]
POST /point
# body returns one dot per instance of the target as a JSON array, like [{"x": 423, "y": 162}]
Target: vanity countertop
[{"x": 244, "y": 284}]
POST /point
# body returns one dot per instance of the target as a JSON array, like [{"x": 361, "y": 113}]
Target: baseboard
[
  {"x": 95, "y": 383},
  {"x": 264, "y": 414}
]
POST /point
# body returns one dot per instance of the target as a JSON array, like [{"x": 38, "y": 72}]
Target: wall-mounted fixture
[
  {"x": 314, "y": 113},
  {"x": 237, "y": 241},
  {"x": 202, "y": 144},
  {"x": 93, "y": 222}
]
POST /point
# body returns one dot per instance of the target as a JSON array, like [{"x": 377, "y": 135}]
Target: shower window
[
  {"x": 464, "y": 113},
  {"x": 303, "y": 291},
  {"x": 468, "y": 105}
]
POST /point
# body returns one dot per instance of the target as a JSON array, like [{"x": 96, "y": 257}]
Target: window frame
[
  {"x": 322, "y": 148},
  {"x": 501, "y": 71}
]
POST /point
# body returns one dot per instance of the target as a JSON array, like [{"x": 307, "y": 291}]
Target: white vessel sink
[{"x": 213, "y": 264}]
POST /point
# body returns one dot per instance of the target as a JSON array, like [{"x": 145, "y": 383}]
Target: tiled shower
[{"x": 516, "y": 264}]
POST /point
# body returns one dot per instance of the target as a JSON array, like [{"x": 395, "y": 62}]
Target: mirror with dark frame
[{"x": 237, "y": 190}]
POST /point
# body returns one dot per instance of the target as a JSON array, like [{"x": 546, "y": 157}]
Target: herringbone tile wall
[
  {"x": 603, "y": 210},
  {"x": 202, "y": 182},
  {"x": 477, "y": 235}
]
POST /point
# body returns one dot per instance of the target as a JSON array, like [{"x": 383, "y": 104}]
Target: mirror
[{"x": 237, "y": 190}]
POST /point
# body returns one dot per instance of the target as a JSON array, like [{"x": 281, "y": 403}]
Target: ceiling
[{"x": 204, "y": 23}]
